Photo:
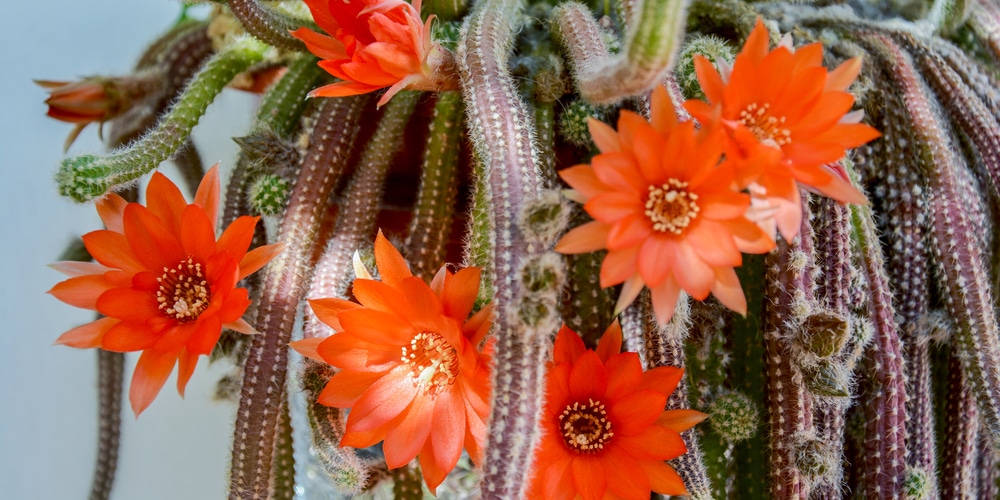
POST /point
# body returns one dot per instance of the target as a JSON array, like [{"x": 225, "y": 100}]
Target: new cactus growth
[{"x": 543, "y": 176}]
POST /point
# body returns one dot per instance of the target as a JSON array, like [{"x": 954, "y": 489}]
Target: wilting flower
[
  {"x": 411, "y": 369},
  {"x": 665, "y": 210},
  {"x": 164, "y": 284},
  {"x": 785, "y": 100},
  {"x": 604, "y": 429},
  {"x": 95, "y": 99},
  {"x": 375, "y": 44}
]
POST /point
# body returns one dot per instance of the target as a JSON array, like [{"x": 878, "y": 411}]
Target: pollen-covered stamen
[
  {"x": 764, "y": 126},
  {"x": 432, "y": 360},
  {"x": 671, "y": 207},
  {"x": 183, "y": 292},
  {"x": 585, "y": 427}
]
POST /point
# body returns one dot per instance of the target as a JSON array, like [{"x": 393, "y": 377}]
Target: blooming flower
[
  {"x": 605, "y": 432},
  {"x": 375, "y": 44},
  {"x": 410, "y": 368},
  {"x": 665, "y": 210},
  {"x": 164, "y": 284},
  {"x": 785, "y": 99}
]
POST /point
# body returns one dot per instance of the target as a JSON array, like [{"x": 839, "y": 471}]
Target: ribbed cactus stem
[
  {"x": 430, "y": 227},
  {"x": 748, "y": 369},
  {"x": 284, "y": 285},
  {"x": 501, "y": 131},
  {"x": 268, "y": 25},
  {"x": 188, "y": 161},
  {"x": 279, "y": 112},
  {"x": 958, "y": 461},
  {"x": 110, "y": 368},
  {"x": 654, "y": 35},
  {"x": 885, "y": 410},
  {"x": 355, "y": 226},
  {"x": 986, "y": 466},
  {"x": 962, "y": 276},
  {"x": 283, "y": 472},
  {"x": 83, "y": 178}
]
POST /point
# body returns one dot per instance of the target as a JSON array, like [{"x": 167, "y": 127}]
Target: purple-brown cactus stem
[
  {"x": 283, "y": 471},
  {"x": 269, "y": 26},
  {"x": 432, "y": 217},
  {"x": 958, "y": 461},
  {"x": 284, "y": 284},
  {"x": 110, "y": 369},
  {"x": 355, "y": 226},
  {"x": 790, "y": 289},
  {"x": 985, "y": 22},
  {"x": 965, "y": 108},
  {"x": 961, "y": 273},
  {"x": 986, "y": 467},
  {"x": 654, "y": 34},
  {"x": 981, "y": 82},
  {"x": 885, "y": 409},
  {"x": 664, "y": 346},
  {"x": 501, "y": 131}
]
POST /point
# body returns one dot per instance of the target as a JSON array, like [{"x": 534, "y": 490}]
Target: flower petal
[
  {"x": 405, "y": 439},
  {"x": 588, "y": 379},
  {"x": 87, "y": 336},
  {"x": 391, "y": 265},
  {"x": 346, "y": 387},
  {"x": 111, "y": 208},
  {"x": 680, "y": 420},
  {"x": 150, "y": 374},
  {"x": 165, "y": 201},
  {"x": 568, "y": 346},
  {"x": 589, "y": 237},
  {"x": 127, "y": 336},
  {"x": 589, "y": 477},
  {"x": 186, "y": 362},
  {"x": 207, "y": 195},
  {"x": 383, "y": 401}
]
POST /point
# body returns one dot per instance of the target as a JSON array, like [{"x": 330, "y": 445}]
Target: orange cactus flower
[
  {"x": 96, "y": 99},
  {"x": 665, "y": 210},
  {"x": 411, "y": 369},
  {"x": 163, "y": 282},
  {"x": 784, "y": 99},
  {"x": 375, "y": 44},
  {"x": 605, "y": 432}
]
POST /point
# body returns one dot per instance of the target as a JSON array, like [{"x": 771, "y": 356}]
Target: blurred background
[{"x": 48, "y": 412}]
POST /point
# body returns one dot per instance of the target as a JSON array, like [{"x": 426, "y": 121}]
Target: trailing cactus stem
[
  {"x": 653, "y": 39},
  {"x": 356, "y": 219},
  {"x": 285, "y": 282},
  {"x": 83, "y": 178},
  {"x": 958, "y": 461},
  {"x": 283, "y": 472},
  {"x": 110, "y": 369},
  {"x": 963, "y": 279},
  {"x": 885, "y": 432},
  {"x": 435, "y": 209},
  {"x": 269, "y": 26}
]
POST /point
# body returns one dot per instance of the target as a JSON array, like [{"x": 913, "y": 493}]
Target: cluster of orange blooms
[{"x": 674, "y": 204}]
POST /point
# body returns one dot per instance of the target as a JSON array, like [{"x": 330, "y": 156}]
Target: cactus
[{"x": 868, "y": 360}]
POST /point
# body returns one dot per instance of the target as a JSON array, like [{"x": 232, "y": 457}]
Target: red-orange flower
[
  {"x": 410, "y": 367},
  {"x": 90, "y": 100},
  {"x": 665, "y": 210},
  {"x": 375, "y": 44},
  {"x": 784, "y": 99},
  {"x": 164, "y": 284},
  {"x": 605, "y": 433}
]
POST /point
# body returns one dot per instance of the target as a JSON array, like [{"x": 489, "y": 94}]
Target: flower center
[
  {"x": 764, "y": 126},
  {"x": 183, "y": 293},
  {"x": 671, "y": 207},
  {"x": 585, "y": 427},
  {"x": 432, "y": 360}
]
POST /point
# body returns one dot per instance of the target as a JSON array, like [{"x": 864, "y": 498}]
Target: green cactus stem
[
  {"x": 430, "y": 227},
  {"x": 268, "y": 25},
  {"x": 284, "y": 285},
  {"x": 885, "y": 410},
  {"x": 962, "y": 276},
  {"x": 83, "y": 178},
  {"x": 355, "y": 225},
  {"x": 283, "y": 472}
]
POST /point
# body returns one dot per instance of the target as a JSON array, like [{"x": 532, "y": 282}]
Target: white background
[{"x": 178, "y": 449}]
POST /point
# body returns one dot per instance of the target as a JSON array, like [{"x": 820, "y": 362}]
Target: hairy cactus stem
[
  {"x": 432, "y": 217},
  {"x": 501, "y": 131},
  {"x": 355, "y": 222},
  {"x": 283, "y": 472},
  {"x": 986, "y": 467},
  {"x": 961, "y": 274},
  {"x": 177, "y": 56},
  {"x": 885, "y": 411},
  {"x": 266, "y": 24},
  {"x": 958, "y": 461},
  {"x": 279, "y": 113},
  {"x": 86, "y": 177},
  {"x": 654, "y": 34},
  {"x": 110, "y": 369},
  {"x": 985, "y": 21},
  {"x": 284, "y": 284}
]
